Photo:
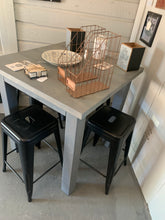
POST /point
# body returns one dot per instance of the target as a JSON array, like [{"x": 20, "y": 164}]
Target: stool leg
[
  {"x": 4, "y": 150},
  {"x": 16, "y": 148},
  {"x": 60, "y": 120},
  {"x": 18, "y": 95},
  {"x": 112, "y": 163},
  {"x": 108, "y": 102},
  {"x": 33, "y": 101},
  {"x": 26, "y": 153},
  {"x": 95, "y": 139},
  {"x": 58, "y": 141},
  {"x": 39, "y": 145},
  {"x": 85, "y": 138},
  {"x": 128, "y": 142}
]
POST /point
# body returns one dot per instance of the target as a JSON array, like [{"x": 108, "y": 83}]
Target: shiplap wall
[{"x": 40, "y": 22}]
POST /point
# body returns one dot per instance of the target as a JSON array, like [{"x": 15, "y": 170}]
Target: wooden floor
[{"x": 88, "y": 202}]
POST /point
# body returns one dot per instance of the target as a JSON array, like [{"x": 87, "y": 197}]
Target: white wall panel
[
  {"x": 40, "y": 34},
  {"x": 40, "y": 22},
  {"x": 54, "y": 18},
  {"x": 26, "y": 45},
  {"x": 113, "y": 8},
  {"x": 148, "y": 144}
]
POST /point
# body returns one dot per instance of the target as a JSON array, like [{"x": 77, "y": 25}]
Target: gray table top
[{"x": 52, "y": 92}]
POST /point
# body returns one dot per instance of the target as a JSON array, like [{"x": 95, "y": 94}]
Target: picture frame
[{"x": 150, "y": 27}]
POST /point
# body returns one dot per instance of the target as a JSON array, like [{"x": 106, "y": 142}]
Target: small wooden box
[
  {"x": 74, "y": 38},
  {"x": 130, "y": 56},
  {"x": 35, "y": 71}
]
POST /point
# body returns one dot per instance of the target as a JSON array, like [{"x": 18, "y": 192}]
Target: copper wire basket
[{"x": 98, "y": 50}]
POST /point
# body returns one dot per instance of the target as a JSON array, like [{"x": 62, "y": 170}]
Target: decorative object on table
[
  {"x": 61, "y": 75},
  {"x": 42, "y": 79},
  {"x": 66, "y": 57},
  {"x": 99, "y": 47},
  {"x": 74, "y": 38},
  {"x": 130, "y": 56},
  {"x": 35, "y": 71},
  {"x": 18, "y": 65},
  {"x": 80, "y": 48},
  {"x": 160, "y": 4},
  {"x": 15, "y": 66},
  {"x": 150, "y": 27},
  {"x": 99, "y": 52}
]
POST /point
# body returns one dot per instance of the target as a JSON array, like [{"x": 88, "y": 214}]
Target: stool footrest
[
  {"x": 16, "y": 173},
  {"x": 49, "y": 145},
  {"x": 13, "y": 170},
  {"x": 118, "y": 168},
  {"x": 15, "y": 149},
  {"x": 93, "y": 168},
  {"x": 46, "y": 172}
]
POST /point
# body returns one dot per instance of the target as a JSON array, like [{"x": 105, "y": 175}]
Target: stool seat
[
  {"x": 111, "y": 122},
  {"x": 29, "y": 125},
  {"x": 117, "y": 128},
  {"x": 27, "y": 128}
]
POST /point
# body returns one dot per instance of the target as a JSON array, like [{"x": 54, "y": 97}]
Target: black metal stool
[
  {"x": 27, "y": 128},
  {"x": 115, "y": 127},
  {"x": 33, "y": 101}
]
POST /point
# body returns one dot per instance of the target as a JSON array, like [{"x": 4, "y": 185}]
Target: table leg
[
  {"x": 74, "y": 131},
  {"x": 9, "y": 100},
  {"x": 9, "y": 97},
  {"x": 120, "y": 97}
]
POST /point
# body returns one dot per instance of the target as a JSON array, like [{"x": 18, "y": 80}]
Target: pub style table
[{"x": 53, "y": 94}]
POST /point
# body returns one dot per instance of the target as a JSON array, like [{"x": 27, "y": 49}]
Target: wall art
[{"x": 150, "y": 27}]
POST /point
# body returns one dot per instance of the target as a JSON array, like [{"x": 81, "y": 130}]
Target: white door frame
[
  {"x": 138, "y": 20},
  {"x": 8, "y": 36}
]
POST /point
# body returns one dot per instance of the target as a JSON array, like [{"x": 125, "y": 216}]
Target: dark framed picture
[{"x": 150, "y": 27}]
